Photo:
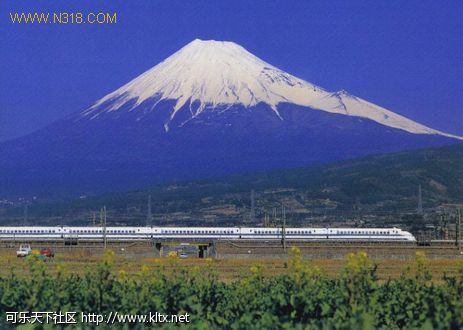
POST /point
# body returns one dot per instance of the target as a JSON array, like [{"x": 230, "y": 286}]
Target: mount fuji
[{"x": 212, "y": 108}]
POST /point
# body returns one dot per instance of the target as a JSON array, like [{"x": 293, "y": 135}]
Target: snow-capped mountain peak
[{"x": 209, "y": 74}]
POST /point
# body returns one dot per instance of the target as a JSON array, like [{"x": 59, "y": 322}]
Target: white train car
[{"x": 197, "y": 233}]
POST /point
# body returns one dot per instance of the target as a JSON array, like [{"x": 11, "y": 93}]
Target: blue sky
[{"x": 406, "y": 56}]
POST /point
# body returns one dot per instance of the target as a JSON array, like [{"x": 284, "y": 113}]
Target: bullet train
[{"x": 194, "y": 233}]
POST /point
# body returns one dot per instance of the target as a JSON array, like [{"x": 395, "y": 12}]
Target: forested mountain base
[{"x": 371, "y": 191}]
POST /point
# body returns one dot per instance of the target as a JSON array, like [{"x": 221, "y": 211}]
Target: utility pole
[
  {"x": 458, "y": 229},
  {"x": 104, "y": 227},
  {"x": 149, "y": 216},
  {"x": 283, "y": 229},
  {"x": 441, "y": 227},
  {"x": 445, "y": 230},
  {"x": 25, "y": 220},
  {"x": 253, "y": 211},
  {"x": 420, "y": 200}
]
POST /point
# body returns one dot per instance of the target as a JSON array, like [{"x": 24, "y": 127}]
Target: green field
[{"x": 237, "y": 294}]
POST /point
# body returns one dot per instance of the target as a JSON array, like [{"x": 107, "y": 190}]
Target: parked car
[
  {"x": 24, "y": 250},
  {"x": 47, "y": 252}
]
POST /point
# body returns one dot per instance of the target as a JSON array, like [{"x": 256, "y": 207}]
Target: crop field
[
  {"x": 81, "y": 260},
  {"x": 295, "y": 293}
]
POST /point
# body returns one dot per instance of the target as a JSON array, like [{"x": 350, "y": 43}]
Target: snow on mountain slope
[{"x": 208, "y": 74}]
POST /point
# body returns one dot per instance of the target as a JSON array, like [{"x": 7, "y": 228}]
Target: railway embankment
[{"x": 249, "y": 249}]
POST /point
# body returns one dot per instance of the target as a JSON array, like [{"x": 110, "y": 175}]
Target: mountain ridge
[{"x": 207, "y": 74}]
